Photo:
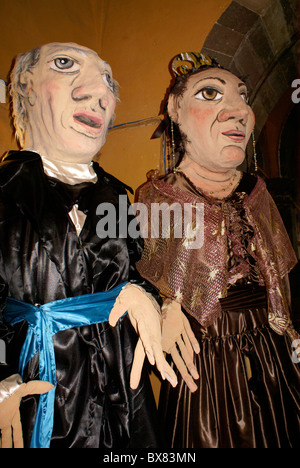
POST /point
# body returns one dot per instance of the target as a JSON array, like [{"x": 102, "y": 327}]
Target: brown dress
[{"x": 248, "y": 391}]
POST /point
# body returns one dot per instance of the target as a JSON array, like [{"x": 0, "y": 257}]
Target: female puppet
[
  {"x": 60, "y": 281},
  {"x": 232, "y": 286}
]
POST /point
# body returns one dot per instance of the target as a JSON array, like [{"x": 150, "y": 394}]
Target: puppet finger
[
  {"x": 187, "y": 358},
  {"x": 116, "y": 313},
  {"x": 17, "y": 431},
  {"x": 183, "y": 370},
  {"x": 137, "y": 366},
  {"x": 37, "y": 387},
  {"x": 6, "y": 437},
  {"x": 187, "y": 344},
  {"x": 146, "y": 341},
  {"x": 191, "y": 336},
  {"x": 164, "y": 368}
]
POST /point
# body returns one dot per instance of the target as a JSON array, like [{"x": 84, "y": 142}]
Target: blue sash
[{"x": 44, "y": 321}]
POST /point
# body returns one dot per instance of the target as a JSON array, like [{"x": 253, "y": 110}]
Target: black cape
[{"x": 42, "y": 259}]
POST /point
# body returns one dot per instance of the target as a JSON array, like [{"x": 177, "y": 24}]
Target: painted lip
[
  {"x": 235, "y": 135},
  {"x": 90, "y": 121}
]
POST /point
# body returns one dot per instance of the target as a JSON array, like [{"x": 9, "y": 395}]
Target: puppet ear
[
  {"x": 25, "y": 79},
  {"x": 172, "y": 108},
  {"x": 26, "y": 84}
]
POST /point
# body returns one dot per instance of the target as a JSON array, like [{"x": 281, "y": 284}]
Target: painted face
[
  {"x": 214, "y": 115},
  {"x": 71, "y": 102}
]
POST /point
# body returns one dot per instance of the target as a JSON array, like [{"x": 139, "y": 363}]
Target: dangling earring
[
  {"x": 254, "y": 152},
  {"x": 173, "y": 162}
]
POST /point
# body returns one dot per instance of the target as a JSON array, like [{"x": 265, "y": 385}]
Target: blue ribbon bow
[{"x": 44, "y": 322}]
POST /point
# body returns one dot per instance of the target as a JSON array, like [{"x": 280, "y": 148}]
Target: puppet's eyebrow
[
  {"x": 210, "y": 78},
  {"x": 240, "y": 84},
  {"x": 68, "y": 49}
]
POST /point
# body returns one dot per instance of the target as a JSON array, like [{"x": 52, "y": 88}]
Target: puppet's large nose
[
  {"x": 93, "y": 90},
  {"x": 236, "y": 109}
]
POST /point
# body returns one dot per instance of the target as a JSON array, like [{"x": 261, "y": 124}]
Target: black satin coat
[{"x": 43, "y": 260}]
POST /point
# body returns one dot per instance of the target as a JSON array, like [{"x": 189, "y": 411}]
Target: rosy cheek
[
  {"x": 200, "y": 114},
  {"x": 202, "y": 117},
  {"x": 50, "y": 88}
]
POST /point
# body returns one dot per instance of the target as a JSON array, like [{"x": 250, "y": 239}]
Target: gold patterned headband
[{"x": 188, "y": 61}]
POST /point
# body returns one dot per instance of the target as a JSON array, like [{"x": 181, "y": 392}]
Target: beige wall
[
  {"x": 140, "y": 39},
  {"x": 137, "y": 37}
]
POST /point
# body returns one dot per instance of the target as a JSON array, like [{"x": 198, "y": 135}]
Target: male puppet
[{"x": 58, "y": 280}]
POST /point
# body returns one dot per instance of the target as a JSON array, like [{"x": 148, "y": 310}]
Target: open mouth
[
  {"x": 235, "y": 135},
  {"x": 90, "y": 121}
]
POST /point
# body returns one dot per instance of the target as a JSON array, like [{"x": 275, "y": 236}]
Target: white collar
[{"x": 69, "y": 173}]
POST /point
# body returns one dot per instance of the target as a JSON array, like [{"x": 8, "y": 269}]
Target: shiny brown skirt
[{"x": 248, "y": 391}]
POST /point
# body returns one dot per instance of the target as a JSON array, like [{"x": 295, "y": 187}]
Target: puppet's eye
[
  {"x": 108, "y": 80},
  {"x": 64, "y": 64},
  {"x": 245, "y": 97},
  {"x": 208, "y": 94}
]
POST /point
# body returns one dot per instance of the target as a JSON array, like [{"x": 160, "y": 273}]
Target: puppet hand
[
  {"x": 12, "y": 390},
  {"x": 295, "y": 341},
  {"x": 176, "y": 331},
  {"x": 146, "y": 321}
]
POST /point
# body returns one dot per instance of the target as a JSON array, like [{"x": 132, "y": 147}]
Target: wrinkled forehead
[{"x": 48, "y": 51}]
